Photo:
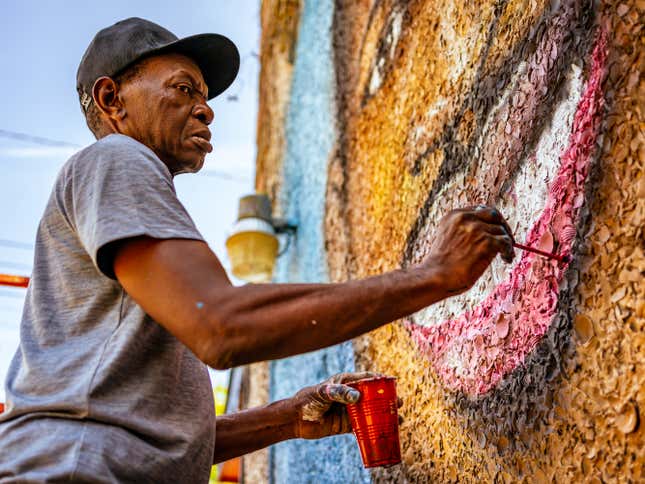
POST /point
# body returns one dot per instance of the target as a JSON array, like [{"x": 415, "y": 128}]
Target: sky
[{"x": 41, "y": 44}]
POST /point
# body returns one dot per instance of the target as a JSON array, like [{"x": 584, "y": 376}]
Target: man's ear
[{"x": 105, "y": 94}]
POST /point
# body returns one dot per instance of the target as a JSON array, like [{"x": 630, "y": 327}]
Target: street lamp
[{"x": 253, "y": 245}]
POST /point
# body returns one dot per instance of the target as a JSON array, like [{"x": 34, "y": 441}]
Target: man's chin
[{"x": 190, "y": 167}]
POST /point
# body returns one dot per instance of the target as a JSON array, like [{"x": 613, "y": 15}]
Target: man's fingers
[
  {"x": 492, "y": 229},
  {"x": 334, "y": 392},
  {"x": 504, "y": 245},
  {"x": 492, "y": 216},
  {"x": 349, "y": 377},
  {"x": 508, "y": 251},
  {"x": 497, "y": 234}
]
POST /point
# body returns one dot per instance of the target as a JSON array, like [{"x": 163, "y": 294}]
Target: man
[{"x": 127, "y": 302}]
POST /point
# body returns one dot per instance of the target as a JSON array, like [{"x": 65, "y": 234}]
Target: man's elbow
[
  {"x": 218, "y": 362},
  {"x": 219, "y": 349}
]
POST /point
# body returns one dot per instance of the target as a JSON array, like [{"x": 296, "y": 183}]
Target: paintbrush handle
[{"x": 539, "y": 252}]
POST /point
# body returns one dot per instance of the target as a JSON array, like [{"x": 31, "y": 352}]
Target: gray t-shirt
[{"x": 97, "y": 390}]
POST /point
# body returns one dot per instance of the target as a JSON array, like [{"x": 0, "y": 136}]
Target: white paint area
[
  {"x": 376, "y": 79},
  {"x": 394, "y": 32},
  {"x": 521, "y": 205},
  {"x": 394, "y": 22}
]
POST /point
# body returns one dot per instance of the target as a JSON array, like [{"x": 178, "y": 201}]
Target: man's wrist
[
  {"x": 255, "y": 428},
  {"x": 285, "y": 416},
  {"x": 440, "y": 280}
]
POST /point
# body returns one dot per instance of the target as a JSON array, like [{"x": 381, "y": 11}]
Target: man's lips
[{"x": 202, "y": 140}]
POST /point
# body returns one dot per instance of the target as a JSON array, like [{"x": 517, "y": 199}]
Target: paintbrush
[{"x": 561, "y": 258}]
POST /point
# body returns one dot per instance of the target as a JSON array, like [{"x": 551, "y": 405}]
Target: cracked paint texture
[
  {"x": 474, "y": 352},
  {"x": 537, "y": 373}
]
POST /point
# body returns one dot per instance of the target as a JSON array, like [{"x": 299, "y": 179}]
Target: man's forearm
[
  {"x": 269, "y": 321},
  {"x": 182, "y": 285},
  {"x": 249, "y": 430}
]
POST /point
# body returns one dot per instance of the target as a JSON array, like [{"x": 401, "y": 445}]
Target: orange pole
[{"x": 15, "y": 281}]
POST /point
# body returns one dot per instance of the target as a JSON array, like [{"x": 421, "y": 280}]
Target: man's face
[{"x": 166, "y": 110}]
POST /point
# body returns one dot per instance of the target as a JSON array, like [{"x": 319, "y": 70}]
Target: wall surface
[
  {"x": 396, "y": 112},
  {"x": 308, "y": 139}
]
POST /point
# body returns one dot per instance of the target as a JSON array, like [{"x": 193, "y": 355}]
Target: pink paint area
[{"x": 475, "y": 351}]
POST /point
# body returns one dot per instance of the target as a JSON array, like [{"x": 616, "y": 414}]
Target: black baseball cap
[{"x": 117, "y": 47}]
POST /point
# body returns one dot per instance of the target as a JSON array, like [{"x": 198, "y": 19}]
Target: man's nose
[{"x": 204, "y": 113}]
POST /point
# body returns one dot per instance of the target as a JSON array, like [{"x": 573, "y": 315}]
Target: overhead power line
[
  {"x": 223, "y": 176},
  {"x": 14, "y": 244},
  {"x": 38, "y": 140}
]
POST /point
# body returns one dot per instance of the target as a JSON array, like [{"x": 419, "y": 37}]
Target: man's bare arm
[
  {"x": 314, "y": 412},
  {"x": 182, "y": 285},
  {"x": 253, "y": 429}
]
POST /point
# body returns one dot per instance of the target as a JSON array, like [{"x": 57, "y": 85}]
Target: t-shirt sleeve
[{"x": 121, "y": 189}]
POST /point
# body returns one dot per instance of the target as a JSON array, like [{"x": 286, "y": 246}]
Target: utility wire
[
  {"x": 14, "y": 244},
  {"x": 224, "y": 176},
  {"x": 38, "y": 140}
]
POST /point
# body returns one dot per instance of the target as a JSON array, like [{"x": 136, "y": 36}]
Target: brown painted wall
[{"x": 538, "y": 372}]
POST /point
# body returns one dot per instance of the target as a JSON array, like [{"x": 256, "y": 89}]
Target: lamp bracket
[{"x": 281, "y": 226}]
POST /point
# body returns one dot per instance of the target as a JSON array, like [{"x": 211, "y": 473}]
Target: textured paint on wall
[
  {"x": 309, "y": 144},
  {"x": 475, "y": 351},
  {"x": 446, "y": 104},
  {"x": 437, "y": 132}
]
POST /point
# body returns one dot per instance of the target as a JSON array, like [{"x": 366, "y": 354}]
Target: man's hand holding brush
[{"x": 468, "y": 239}]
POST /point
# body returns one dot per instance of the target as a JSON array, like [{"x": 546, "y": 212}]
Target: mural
[
  {"x": 399, "y": 111},
  {"x": 473, "y": 352}
]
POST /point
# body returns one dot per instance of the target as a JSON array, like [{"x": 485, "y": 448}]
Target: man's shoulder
[
  {"x": 119, "y": 143},
  {"x": 116, "y": 151}
]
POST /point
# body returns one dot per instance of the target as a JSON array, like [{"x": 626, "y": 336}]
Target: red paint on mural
[{"x": 474, "y": 352}]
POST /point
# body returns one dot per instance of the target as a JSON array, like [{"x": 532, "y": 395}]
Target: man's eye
[{"x": 184, "y": 88}]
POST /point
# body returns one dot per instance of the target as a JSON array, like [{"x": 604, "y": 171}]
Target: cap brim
[{"x": 216, "y": 55}]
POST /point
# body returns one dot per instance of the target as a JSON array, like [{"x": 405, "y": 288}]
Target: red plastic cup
[{"x": 375, "y": 421}]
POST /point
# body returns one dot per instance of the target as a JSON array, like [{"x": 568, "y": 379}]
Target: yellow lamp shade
[{"x": 252, "y": 250}]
